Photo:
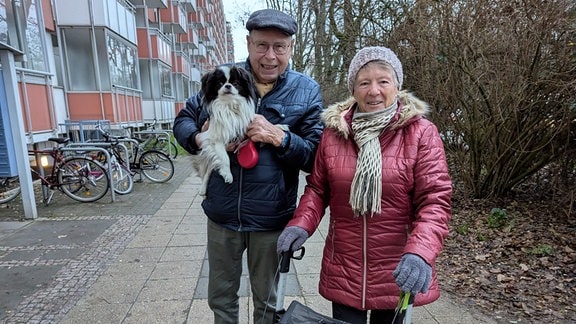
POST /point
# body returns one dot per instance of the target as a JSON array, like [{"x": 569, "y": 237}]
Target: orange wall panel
[
  {"x": 108, "y": 107},
  {"x": 121, "y": 108},
  {"x": 137, "y": 108},
  {"x": 154, "y": 45},
  {"x": 152, "y": 15},
  {"x": 169, "y": 14},
  {"x": 47, "y": 15},
  {"x": 143, "y": 45},
  {"x": 35, "y": 107},
  {"x": 85, "y": 106},
  {"x": 179, "y": 106}
]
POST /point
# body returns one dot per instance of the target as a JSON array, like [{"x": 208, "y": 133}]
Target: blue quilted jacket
[{"x": 262, "y": 198}]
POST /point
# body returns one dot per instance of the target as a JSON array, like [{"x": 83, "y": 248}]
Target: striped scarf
[{"x": 366, "y": 189}]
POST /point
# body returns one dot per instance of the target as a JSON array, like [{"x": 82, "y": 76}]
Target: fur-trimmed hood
[{"x": 334, "y": 117}]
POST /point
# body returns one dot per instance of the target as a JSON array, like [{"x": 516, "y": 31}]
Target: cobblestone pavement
[{"x": 47, "y": 264}]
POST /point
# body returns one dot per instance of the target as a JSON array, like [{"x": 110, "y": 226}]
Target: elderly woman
[{"x": 381, "y": 169}]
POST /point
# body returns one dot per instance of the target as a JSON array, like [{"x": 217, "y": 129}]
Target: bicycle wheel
[
  {"x": 156, "y": 166},
  {"x": 83, "y": 179},
  {"x": 100, "y": 158},
  {"x": 167, "y": 147},
  {"x": 9, "y": 189},
  {"x": 122, "y": 179}
]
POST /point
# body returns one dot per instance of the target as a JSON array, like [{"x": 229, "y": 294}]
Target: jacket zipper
[
  {"x": 240, "y": 181},
  {"x": 364, "y": 260},
  {"x": 240, "y": 199}
]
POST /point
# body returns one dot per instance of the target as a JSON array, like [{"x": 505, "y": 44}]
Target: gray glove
[
  {"x": 291, "y": 238},
  {"x": 413, "y": 274}
]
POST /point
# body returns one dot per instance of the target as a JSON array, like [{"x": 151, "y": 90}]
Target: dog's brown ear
[
  {"x": 251, "y": 82},
  {"x": 243, "y": 72},
  {"x": 204, "y": 82}
]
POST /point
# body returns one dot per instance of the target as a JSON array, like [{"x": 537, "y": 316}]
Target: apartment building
[{"x": 128, "y": 62}]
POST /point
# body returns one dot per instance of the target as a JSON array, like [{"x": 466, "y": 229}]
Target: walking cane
[
  {"x": 405, "y": 306},
  {"x": 283, "y": 273}
]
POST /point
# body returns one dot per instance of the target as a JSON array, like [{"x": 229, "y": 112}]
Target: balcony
[
  {"x": 210, "y": 45},
  {"x": 200, "y": 53},
  {"x": 173, "y": 18},
  {"x": 190, "y": 40},
  {"x": 154, "y": 45},
  {"x": 198, "y": 20},
  {"x": 150, "y": 3},
  {"x": 189, "y": 5},
  {"x": 113, "y": 14}
]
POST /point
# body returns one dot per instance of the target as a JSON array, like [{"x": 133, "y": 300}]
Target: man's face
[{"x": 269, "y": 51}]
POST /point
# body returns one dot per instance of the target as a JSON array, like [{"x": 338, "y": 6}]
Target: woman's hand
[{"x": 413, "y": 274}]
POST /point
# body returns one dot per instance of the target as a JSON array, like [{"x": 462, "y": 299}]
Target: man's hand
[
  {"x": 262, "y": 131},
  {"x": 199, "y": 138}
]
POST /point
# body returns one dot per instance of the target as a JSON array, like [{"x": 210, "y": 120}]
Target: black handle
[{"x": 287, "y": 255}]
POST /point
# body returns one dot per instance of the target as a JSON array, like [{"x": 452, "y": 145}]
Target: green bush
[{"x": 498, "y": 218}]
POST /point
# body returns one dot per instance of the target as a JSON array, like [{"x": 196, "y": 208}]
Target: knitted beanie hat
[{"x": 369, "y": 54}]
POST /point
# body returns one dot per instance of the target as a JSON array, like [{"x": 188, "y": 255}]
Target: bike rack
[
  {"x": 86, "y": 147},
  {"x": 133, "y": 143},
  {"x": 163, "y": 132},
  {"x": 108, "y": 144}
]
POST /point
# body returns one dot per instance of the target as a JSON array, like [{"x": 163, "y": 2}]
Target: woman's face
[
  {"x": 269, "y": 51},
  {"x": 375, "y": 87}
]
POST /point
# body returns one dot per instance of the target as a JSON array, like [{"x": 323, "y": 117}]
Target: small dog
[{"x": 229, "y": 95}]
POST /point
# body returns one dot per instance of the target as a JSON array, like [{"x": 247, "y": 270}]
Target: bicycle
[
  {"x": 9, "y": 189},
  {"x": 154, "y": 165},
  {"x": 80, "y": 178},
  {"x": 121, "y": 175},
  {"x": 156, "y": 140}
]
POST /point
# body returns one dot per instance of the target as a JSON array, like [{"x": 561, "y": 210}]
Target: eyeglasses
[{"x": 279, "y": 48}]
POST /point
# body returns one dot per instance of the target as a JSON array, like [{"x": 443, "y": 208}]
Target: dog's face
[{"x": 228, "y": 81}]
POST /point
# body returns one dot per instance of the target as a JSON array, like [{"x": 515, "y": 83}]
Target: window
[
  {"x": 35, "y": 45},
  {"x": 78, "y": 48},
  {"x": 9, "y": 30},
  {"x": 166, "y": 80},
  {"x": 21, "y": 28},
  {"x": 123, "y": 63}
]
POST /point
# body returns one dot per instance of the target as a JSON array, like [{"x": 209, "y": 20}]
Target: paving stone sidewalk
[{"x": 140, "y": 259}]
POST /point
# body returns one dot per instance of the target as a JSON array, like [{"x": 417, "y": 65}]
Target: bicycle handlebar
[
  {"x": 153, "y": 125},
  {"x": 107, "y": 136}
]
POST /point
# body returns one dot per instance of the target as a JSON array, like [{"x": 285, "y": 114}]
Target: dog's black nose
[{"x": 228, "y": 86}]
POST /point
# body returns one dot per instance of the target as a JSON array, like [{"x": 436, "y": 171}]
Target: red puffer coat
[{"x": 361, "y": 253}]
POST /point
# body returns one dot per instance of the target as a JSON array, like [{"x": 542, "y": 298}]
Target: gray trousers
[{"x": 225, "y": 250}]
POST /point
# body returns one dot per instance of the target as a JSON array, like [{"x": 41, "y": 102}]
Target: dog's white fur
[{"x": 230, "y": 114}]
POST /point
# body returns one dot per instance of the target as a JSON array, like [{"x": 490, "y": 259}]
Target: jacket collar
[{"x": 338, "y": 116}]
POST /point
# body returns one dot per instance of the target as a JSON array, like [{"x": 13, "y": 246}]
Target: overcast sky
[{"x": 237, "y": 11}]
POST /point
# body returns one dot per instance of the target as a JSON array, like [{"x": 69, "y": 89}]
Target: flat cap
[{"x": 271, "y": 18}]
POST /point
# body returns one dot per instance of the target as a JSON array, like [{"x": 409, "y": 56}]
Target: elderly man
[{"x": 249, "y": 213}]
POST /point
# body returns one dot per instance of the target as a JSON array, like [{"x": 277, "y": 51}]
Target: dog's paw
[{"x": 227, "y": 175}]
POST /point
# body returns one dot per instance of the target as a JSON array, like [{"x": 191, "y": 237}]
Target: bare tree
[
  {"x": 502, "y": 79},
  {"x": 500, "y": 75}
]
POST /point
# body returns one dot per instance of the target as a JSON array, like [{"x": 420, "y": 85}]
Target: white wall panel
[{"x": 72, "y": 12}]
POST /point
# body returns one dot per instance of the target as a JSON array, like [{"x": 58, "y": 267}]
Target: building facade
[{"x": 125, "y": 61}]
